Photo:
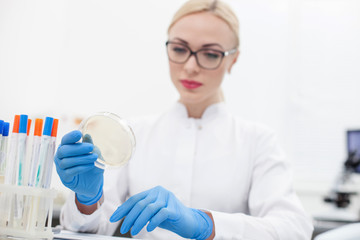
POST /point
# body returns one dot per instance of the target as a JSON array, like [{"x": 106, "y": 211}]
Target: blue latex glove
[
  {"x": 74, "y": 163},
  {"x": 162, "y": 209}
]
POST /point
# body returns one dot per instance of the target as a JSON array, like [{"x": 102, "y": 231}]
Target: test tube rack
[{"x": 32, "y": 206}]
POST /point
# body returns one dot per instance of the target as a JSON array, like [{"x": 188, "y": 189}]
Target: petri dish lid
[{"x": 113, "y": 139}]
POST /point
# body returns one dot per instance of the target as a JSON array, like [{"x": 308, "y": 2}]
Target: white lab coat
[{"x": 220, "y": 163}]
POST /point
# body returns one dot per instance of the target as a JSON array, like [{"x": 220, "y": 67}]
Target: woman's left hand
[{"x": 161, "y": 208}]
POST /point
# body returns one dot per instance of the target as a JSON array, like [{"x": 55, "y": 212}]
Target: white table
[{"x": 64, "y": 234}]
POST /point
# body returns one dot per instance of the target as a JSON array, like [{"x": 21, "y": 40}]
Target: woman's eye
[
  {"x": 179, "y": 50},
  {"x": 212, "y": 55}
]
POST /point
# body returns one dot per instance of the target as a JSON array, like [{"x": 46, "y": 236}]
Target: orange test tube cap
[
  {"x": 16, "y": 124},
  {"x": 28, "y": 126},
  {"x": 54, "y": 127},
  {"x": 38, "y": 127}
]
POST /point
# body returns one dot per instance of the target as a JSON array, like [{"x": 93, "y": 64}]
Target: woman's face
[{"x": 197, "y": 85}]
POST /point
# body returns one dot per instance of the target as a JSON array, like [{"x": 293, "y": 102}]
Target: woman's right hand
[{"x": 75, "y": 165}]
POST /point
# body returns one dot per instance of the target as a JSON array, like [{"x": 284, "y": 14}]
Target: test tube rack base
[{"x": 24, "y": 210}]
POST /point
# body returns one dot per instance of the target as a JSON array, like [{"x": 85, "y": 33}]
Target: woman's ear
[{"x": 233, "y": 61}]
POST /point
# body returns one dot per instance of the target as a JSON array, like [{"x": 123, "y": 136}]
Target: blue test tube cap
[
  {"x": 48, "y": 126},
  {"x": 1, "y": 126},
  {"x": 23, "y": 123},
  {"x": 6, "y": 127}
]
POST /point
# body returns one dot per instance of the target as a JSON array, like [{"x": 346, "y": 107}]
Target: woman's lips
[{"x": 190, "y": 84}]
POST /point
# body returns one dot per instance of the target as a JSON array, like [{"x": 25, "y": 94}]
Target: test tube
[
  {"x": 20, "y": 164},
  {"x": 1, "y": 133},
  {"x": 40, "y": 205},
  {"x": 35, "y": 151},
  {"x": 31, "y": 203},
  {"x": 21, "y": 149},
  {"x": 1, "y": 154},
  {"x": 26, "y": 167},
  {"x": 1, "y": 129},
  {"x": 10, "y": 168},
  {"x": 50, "y": 158},
  {"x": 3, "y": 196},
  {"x": 10, "y": 175},
  {"x": 3, "y": 151},
  {"x": 44, "y": 148}
]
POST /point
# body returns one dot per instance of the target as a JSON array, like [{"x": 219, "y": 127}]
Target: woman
[{"x": 198, "y": 171}]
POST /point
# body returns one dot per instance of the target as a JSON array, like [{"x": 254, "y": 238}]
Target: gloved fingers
[
  {"x": 125, "y": 208},
  {"x": 87, "y": 138},
  {"x": 72, "y": 150},
  {"x": 173, "y": 207},
  {"x": 156, "y": 220},
  {"x": 149, "y": 211},
  {"x": 66, "y": 179},
  {"x": 70, "y": 162},
  {"x": 74, "y": 171},
  {"x": 135, "y": 212},
  {"x": 71, "y": 137},
  {"x": 98, "y": 152}
]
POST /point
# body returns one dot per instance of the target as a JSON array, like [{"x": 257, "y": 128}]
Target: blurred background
[{"x": 298, "y": 73}]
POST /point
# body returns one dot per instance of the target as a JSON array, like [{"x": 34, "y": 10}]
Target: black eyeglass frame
[{"x": 222, "y": 53}]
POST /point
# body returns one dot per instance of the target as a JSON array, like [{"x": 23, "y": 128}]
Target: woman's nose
[{"x": 191, "y": 66}]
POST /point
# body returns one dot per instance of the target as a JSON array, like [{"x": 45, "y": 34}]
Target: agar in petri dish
[{"x": 113, "y": 139}]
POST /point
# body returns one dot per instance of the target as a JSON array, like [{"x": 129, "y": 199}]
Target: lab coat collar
[{"x": 211, "y": 112}]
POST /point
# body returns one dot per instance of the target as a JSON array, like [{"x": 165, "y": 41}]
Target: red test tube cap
[
  {"x": 16, "y": 124},
  {"x": 54, "y": 127},
  {"x": 38, "y": 127}
]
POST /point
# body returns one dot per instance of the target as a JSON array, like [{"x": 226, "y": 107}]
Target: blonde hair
[{"x": 218, "y": 8}]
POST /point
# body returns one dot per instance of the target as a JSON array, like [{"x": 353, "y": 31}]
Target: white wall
[{"x": 298, "y": 71}]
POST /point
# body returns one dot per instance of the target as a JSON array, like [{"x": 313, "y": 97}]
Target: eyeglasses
[{"x": 206, "y": 58}]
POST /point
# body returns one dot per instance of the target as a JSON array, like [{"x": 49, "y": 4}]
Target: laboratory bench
[{"x": 321, "y": 225}]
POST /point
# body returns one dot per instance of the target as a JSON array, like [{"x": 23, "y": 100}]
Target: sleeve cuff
[
  {"x": 225, "y": 224},
  {"x": 72, "y": 219}
]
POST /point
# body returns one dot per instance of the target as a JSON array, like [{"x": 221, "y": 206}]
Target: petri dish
[{"x": 113, "y": 139}]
